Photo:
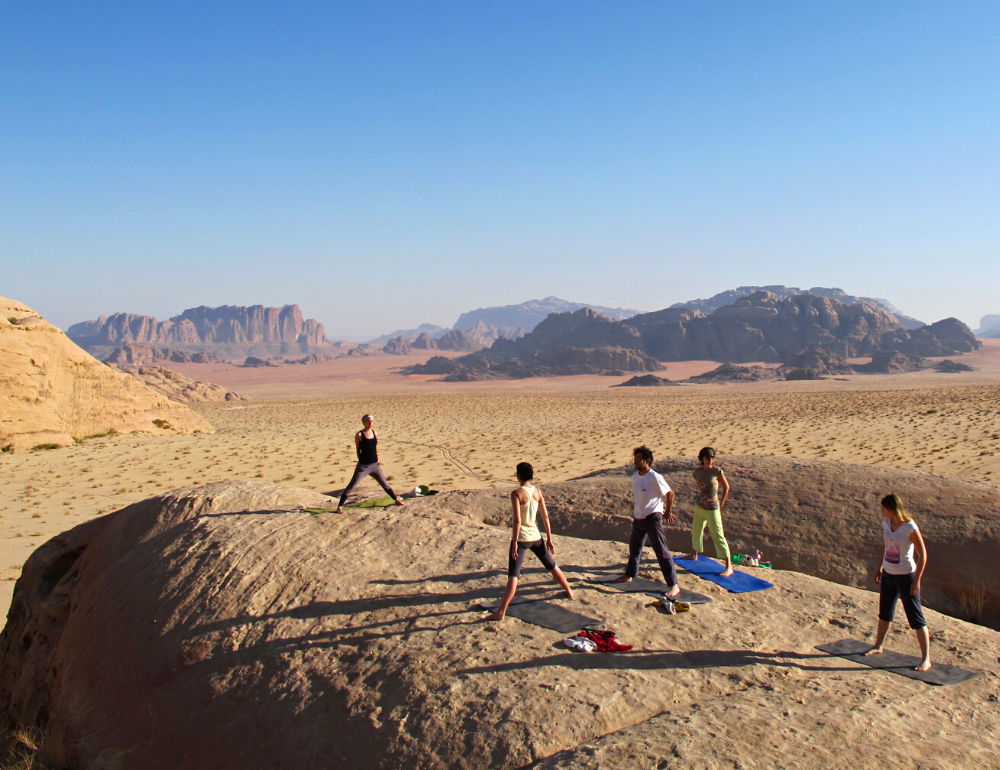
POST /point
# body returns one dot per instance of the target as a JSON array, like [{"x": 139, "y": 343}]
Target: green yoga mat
[{"x": 385, "y": 502}]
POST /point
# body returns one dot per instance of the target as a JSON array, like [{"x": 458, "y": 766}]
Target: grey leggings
[{"x": 375, "y": 471}]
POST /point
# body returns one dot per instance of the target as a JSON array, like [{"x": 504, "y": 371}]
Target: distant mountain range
[
  {"x": 759, "y": 327},
  {"x": 487, "y": 324},
  {"x": 989, "y": 326}
]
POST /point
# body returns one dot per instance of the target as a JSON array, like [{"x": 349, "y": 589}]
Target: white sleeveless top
[{"x": 528, "y": 513}]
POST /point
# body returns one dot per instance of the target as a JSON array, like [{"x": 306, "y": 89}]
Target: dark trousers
[
  {"x": 375, "y": 471},
  {"x": 651, "y": 527},
  {"x": 895, "y": 587},
  {"x": 538, "y": 548}
]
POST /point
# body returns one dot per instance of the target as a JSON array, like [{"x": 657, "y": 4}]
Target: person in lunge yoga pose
[
  {"x": 652, "y": 494},
  {"x": 528, "y": 502},
  {"x": 366, "y": 446},
  {"x": 713, "y": 489},
  {"x": 899, "y": 577}
]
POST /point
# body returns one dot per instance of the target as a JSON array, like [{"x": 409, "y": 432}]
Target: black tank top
[{"x": 369, "y": 451}]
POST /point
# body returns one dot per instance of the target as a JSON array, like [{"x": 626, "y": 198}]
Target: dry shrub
[
  {"x": 23, "y": 744},
  {"x": 972, "y": 603}
]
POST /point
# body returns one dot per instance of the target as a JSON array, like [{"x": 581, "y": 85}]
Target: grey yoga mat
[
  {"x": 653, "y": 588},
  {"x": 896, "y": 662},
  {"x": 546, "y": 615}
]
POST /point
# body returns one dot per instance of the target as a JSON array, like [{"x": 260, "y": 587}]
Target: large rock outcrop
[
  {"x": 179, "y": 387},
  {"x": 948, "y": 337},
  {"x": 52, "y": 392},
  {"x": 225, "y": 626},
  {"x": 784, "y": 292},
  {"x": 133, "y": 354},
  {"x": 764, "y": 327},
  {"x": 229, "y": 330}
]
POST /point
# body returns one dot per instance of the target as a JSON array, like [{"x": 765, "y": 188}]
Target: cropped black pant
[
  {"x": 895, "y": 587},
  {"x": 650, "y": 527}
]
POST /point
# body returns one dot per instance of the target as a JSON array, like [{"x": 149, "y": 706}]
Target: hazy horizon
[{"x": 386, "y": 165}]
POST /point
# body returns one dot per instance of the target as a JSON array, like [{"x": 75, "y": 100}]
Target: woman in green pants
[{"x": 713, "y": 489}]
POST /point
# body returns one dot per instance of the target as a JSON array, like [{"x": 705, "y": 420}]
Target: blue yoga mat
[{"x": 710, "y": 569}]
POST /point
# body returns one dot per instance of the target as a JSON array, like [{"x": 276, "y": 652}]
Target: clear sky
[{"x": 387, "y": 164}]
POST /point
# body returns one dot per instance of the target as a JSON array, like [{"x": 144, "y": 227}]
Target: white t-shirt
[
  {"x": 898, "y": 556},
  {"x": 649, "y": 491}
]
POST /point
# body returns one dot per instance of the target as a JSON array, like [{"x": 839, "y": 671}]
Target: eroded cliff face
[
  {"x": 52, "y": 392},
  {"x": 203, "y": 328}
]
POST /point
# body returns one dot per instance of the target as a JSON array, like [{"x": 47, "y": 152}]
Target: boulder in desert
[{"x": 52, "y": 392}]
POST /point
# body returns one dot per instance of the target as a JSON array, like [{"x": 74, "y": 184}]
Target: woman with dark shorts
[
  {"x": 899, "y": 577},
  {"x": 366, "y": 446},
  {"x": 527, "y": 502}
]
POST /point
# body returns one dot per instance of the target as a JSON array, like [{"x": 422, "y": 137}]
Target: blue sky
[{"x": 388, "y": 164}]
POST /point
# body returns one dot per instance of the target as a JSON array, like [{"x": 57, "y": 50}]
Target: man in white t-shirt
[{"x": 653, "y": 499}]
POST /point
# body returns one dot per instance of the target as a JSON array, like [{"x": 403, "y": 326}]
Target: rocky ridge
[
  {"x": 133, "y": 354},
  {"x": 784, "y": 292},
  {"x": 231, "y": 331},
  {"x": 179, "y": 387},
  {"x": 52, "y": 392}
]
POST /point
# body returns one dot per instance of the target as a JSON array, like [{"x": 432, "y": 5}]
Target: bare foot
[
  {"x": 400, "y": 503},
  {"x": 924, "y": 666},
  {"x": 692, "y": 555},
  {"x": 622, "y": 579},
  {"x": 493, "y": 616},
  {"x": 726, "y": 572},
  {"x": 874, "y": 651},
  {"x": 339, "y": 509},
  {"x": 675, "y": 591},
  {"x": 570, "y": 594}
]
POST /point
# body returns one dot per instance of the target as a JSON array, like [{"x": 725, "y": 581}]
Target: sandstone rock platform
[{"x": 226, "y": 626}]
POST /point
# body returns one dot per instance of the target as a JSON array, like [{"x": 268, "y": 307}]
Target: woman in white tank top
[{"x": 527, "y": 501}]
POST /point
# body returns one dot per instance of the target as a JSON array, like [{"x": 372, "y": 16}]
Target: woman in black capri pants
[{"x": 899, "y": 577}]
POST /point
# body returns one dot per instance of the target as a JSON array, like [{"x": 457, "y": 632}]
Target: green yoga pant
[{"x": 714, "y": 521}]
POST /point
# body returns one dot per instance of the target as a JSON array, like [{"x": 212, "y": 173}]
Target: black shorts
[
  {"x": 538, "y": 548},
  {"x": 895, "y": 587}
]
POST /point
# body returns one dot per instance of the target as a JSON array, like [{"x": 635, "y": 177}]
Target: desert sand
[{"x": 299, "y": 430}]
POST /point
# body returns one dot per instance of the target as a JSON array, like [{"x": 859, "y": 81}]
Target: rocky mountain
[
  {"x": 452, "y": 340},
  {"x": 228, "y": 331},
  {"x": 989, "y": 326},
  {"x": 527, "y": 315},
  {"x": 52, "y": 392},
  {"x": 759, "y": 327},
  {"x": 784, "y": 292},
  {"x": 173, "y": 633}
]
